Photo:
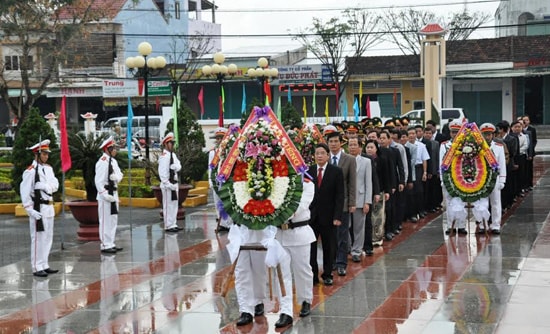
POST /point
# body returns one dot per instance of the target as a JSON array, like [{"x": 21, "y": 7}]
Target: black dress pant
[{"x": 328, "y": 243}]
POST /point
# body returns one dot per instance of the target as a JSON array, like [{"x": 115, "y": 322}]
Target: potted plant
[
  {"x": 85, "y": 151},
  {"x": 194, "y": 161}
]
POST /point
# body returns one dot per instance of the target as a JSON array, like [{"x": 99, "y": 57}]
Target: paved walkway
[{"x": 421, "y": 282}]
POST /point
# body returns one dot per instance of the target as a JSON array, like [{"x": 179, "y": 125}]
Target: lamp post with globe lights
[
  {"x": 220, "y": 72},
  {"x": 143, "y": 67},
  {"x": 263, "y": 73}
]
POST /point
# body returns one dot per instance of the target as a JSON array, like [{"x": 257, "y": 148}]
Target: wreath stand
[{"x": 255, "y": 247}]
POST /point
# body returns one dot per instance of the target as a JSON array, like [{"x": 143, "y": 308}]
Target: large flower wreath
[
  {"x": 469, "y": 168},
  {"x": 263, "y": 188},
  {"x": 308, "y": 138}
]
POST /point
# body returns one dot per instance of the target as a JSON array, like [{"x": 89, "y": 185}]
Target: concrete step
[{"x": 543, "y": 131}]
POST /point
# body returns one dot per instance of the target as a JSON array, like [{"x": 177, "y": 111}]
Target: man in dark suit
[
  {"x": 532, "y": 132},
  {"x": 349, "y": 168},
  {"x": 326, "y": 211}
]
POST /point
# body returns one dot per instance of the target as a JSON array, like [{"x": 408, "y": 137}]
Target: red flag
[
  {"x": 66, "y": 162},
  {"x": 368, "y": 106},
  {"x": 394, "y": 98},
  {"x": 157, "y": 105},
  {"x": 267, "y": 91},
  {"x": 201, "y": 100}
]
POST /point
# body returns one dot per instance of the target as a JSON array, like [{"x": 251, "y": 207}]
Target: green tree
[
  {"x": 33, "y": 129},
  {"x": 39, "y": 34},
  {"x": 194, "y": 161},
  {"x": 290, "y": 116}
]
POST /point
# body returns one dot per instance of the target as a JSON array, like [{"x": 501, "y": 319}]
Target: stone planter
[
  {"x": 86, "y": 214},
  {"x": 182, "y": 195}
]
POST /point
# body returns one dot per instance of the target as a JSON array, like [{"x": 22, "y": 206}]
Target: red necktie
[{"x": 319, "y": 177}]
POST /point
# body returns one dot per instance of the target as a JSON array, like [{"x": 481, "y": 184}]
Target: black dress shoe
[
  {"x": 328, "y": 281},
  {"x": 245, "y": 319},
  {"x": 462, "y": 231},
  {"x": 109, "y": 251},
  {"x": 369, "y": 252},
  {"x": 179, "y": 228},
  {"x": 388, "y": 236},
  {"x": 51, "y": 271},
  {"x": 259, "y": 310},
  {"x": 172, "y": 230},
  {"x": 118, "y": 249},
  {"x": 481, "y": 231},
  {"x": 449, "y": 231},
  {"x": 495, "y": 231},
  {"x": 306, "y": 309},
  {"x": 41, "y": 273},
  {"x": 284, "y": 320},
  {"x": 342, "y": 272}
]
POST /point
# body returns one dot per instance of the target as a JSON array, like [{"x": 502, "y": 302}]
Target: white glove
[
  {"x": 174, "y": 167},
  {"x": 113, "y": 177},
  {"x": 109, "y": 198},
  {"x": 35, "y": 214},
  {"x": 500, "y": 185}
]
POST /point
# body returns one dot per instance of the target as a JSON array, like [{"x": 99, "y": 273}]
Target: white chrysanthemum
[
  {"x": 241, "y": 193},
  {"x": 278, "y": 193}
]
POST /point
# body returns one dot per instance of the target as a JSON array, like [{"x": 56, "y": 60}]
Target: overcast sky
[{"x": 242, "y": 18}]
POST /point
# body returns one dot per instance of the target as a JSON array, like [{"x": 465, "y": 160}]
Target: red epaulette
[
  {"x": 499, "y": 144},
  {"x": 30, "y": 167},
  {"x": 103, "y": 158},
  {"x": 162, "y": 154},
  {"x": 306, "y": 179}
]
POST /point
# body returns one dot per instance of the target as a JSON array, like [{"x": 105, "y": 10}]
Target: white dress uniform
[
  {"x": 169, "y": 206},
  {"x": 107, "y": 222},
  {"x": 494, "y": 197},
  {"x": 41, "y": 242},
  {"x": 297, "y": 244}
]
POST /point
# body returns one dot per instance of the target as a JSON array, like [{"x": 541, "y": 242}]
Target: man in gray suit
[
  {"x": 363, "y": 197},
  {"x": 347, "y": 163}
]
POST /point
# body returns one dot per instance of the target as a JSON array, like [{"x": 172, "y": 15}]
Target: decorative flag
[
  {"x": 394, "y": 98},
  {"x": 356, "y": 110},
  {"x": 66, "y": 162},
  {"x": 345, "y": 109},
  {"x": 314, "y": 101},
  {"x": 304, "y": 108},
  {"x": 129, "y": 129},
  {"x": 243, "y": 106},
  {"x": 368, "y": 106},
  {"x": 279, "y": 109},
  {"x": 201, "y": 100},
  {"x": 360, "y": 95},
  {"x": 267, "y": 91},
  {"x": 326, "y": 111},
  {"x": 289, "y": 94},
  {"x": 175, "y": 108}
]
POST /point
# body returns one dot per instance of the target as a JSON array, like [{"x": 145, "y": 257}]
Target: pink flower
[{"x": 251, "y": 150}]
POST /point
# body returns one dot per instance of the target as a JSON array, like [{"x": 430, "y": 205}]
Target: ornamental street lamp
[
  {"x": 220, "y": 72},
  {"x": 263, "y": 73},
  {"x": 142, "y": 67}
]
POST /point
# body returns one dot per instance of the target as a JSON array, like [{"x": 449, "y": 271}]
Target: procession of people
[{"x": 367, "y": 181}]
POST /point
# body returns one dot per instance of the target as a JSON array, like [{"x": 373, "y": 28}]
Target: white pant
[
  {"x": 496, "y": 209},
  {"x": 41, "y": 243},
  {"x": 250, "y": 280},
  {"x": 297, "y": 264},
  {"x": 169, "y": 208},
  {"x": 458, "y": 218},
  {"x": 107, "y": 224}
]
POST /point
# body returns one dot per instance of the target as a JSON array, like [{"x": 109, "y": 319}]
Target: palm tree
[{"x": 85, "y": 151}]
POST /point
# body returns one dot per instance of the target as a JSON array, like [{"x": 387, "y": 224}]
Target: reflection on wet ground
[{"x": 421, "y": 282}]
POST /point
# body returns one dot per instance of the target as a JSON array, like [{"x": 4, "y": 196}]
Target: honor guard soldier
[
  {"x": 488, "y": 131},
  {"x": 107, "y": 177},
  {"x": 36, "y": 190},
  {"x": 169, "y": 166}
]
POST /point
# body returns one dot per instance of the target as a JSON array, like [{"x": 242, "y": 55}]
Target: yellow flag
[
  {"x": 305, "y": 109},
  {"x": 326, "y": 110}
]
